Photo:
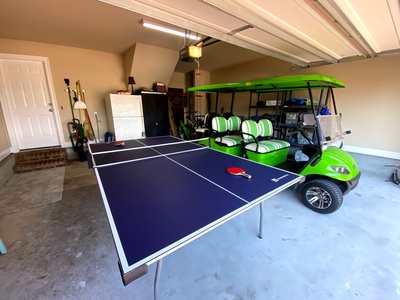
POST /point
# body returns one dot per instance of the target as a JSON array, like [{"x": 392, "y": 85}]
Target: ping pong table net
[{"x": 124, "y": 153}]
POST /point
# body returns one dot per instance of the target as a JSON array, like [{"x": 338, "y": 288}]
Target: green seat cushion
[
  {"x": 229, "y": 140},
  {"x": 220, "y": 124},
  {"x": 267, "y": 146},
  {"x": 249, "y": 129},
  {"x": 265, "y": 127},
  {"x": 234, "y": 123}
]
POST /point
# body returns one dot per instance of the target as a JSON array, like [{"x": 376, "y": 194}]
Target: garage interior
[{"x": 53, "y": 224}]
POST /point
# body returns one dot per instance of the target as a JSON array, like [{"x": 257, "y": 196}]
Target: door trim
[{"x": 6, "y": 109}]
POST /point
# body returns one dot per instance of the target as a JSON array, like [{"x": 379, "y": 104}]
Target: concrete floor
[{"x": 64, "y": 250}]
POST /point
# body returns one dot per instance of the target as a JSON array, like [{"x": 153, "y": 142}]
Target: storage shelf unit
[
  {"x": 283, "y": 124},
  {"x": 278, "y": 110},
  {"x": 266, "y": 106}
]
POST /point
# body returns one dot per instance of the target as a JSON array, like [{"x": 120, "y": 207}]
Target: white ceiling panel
[
  {"x": 298, "y": 19},
  {"x": 378, "y": 21},
  {"x": 273, "y": 43},
  {"x": 304, "y": 32}
]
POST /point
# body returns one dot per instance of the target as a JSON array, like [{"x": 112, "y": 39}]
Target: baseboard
[
  {"x": 6, "y": 168},
  {"x": 373, "y": 152},
  {"x": 5, "y": 153}
]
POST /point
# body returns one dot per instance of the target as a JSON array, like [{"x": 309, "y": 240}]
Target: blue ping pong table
[{"x": 161, "y": 193}]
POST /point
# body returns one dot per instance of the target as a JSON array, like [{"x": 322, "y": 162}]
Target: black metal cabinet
[{"x": 155, "y": 111}]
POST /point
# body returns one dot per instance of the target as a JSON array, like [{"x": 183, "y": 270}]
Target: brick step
[{"x": 39, "y": 159}]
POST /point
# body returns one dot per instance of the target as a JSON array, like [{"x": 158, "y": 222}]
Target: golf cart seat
[
  {"x": 224, "y": 140},
  {"x": 258, "y": 143},
  {"x": 234, "y": 123},
  {"x": 227, "y": 115},
  {"x": 205, "y": 129}
]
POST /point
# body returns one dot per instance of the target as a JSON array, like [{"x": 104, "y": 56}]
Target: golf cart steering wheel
[
  {"x": 299, "y": 126},
  {"x": 296, "y": 127}
]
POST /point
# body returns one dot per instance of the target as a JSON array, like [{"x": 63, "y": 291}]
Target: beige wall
[
  {"x": 177, "y": 81},
  {"x": 370, "y": 102},
  {"x": 152, "y": 64},
  {"x": 100, "y": 73}
]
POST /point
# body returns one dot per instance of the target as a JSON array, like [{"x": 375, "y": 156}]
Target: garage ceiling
[{"x": 305, "y": 33}]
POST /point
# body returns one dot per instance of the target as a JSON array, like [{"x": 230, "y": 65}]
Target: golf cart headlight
[{"x": 341, "y": 170}]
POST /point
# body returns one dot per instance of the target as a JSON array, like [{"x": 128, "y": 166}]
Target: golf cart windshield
[{"x": 330, "y": 129}]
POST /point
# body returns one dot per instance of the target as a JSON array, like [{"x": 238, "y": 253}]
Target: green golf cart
[{"x": 299, "y": 132}]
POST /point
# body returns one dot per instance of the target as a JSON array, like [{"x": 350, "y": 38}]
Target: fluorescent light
[{"x": 163, "y": 28}]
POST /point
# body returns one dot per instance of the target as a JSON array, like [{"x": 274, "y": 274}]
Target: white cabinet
[{"x": 125, "y": 116}]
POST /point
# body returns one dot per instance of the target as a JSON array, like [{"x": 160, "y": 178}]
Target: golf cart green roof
[{"x": 282, "y": 83}]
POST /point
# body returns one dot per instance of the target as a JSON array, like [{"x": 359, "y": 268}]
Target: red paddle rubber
[{"x": 238, "y": 171}]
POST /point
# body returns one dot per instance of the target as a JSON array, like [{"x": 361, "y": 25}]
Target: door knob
[{"x": 50, "y": 110}]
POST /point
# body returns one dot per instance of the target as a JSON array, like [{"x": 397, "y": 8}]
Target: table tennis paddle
[
  {"x": 238, "y": 171},
  {"x": 119, "y": 143}
]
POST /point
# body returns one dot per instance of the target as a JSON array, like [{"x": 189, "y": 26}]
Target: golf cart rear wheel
[{"x": 322, "y": 196}]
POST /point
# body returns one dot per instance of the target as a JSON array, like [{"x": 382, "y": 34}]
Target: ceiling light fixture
[
  {"x": 194, "y": 51},
  {"x": 170, "y": 30}
]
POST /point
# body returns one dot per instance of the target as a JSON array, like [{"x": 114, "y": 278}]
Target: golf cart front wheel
[{"x": 322, "y": 196}]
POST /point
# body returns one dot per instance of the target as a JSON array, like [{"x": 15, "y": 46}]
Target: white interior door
[{"x": 29, "y": 103}]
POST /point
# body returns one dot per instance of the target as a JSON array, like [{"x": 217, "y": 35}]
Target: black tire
[{"x": 322, "y": 196}]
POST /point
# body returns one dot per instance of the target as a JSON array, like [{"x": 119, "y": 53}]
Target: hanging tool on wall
[
  {"x": 72, "y": 126},
  {"x": 87, "y": 124},
  {"x": 79, "y": 105},
  {"x": 75, "y": 128},
  {"x": 97, "y": 125},
  {"x": 82, "y": 139}
]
